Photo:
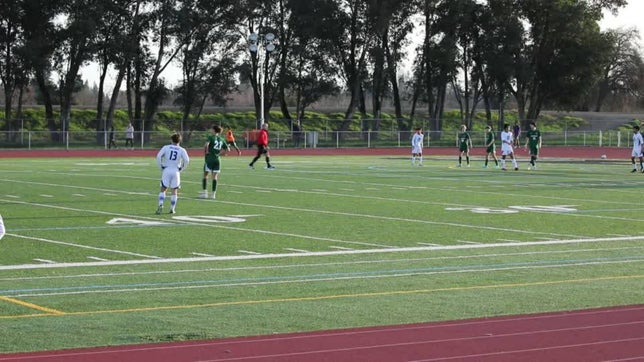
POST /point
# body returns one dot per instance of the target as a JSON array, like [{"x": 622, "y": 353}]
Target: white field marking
[
  {"x": 264, "y": 191},
  {"x": 351, "y": 190},
  {"x": 221, "y": 226},
  {"x": 616, "y": 234},
  {"x": 281, "y": 265},
  {"x": 234, "y": 192},
  {"x": 388, "y": 218},
  {"x": 328, "y": 279},
  {"x": 97, "y": 258},
  {"x": 12, "y": 196},
  {"x": 542, "y": 238},
  {"x": 46, "y": 195},
  {"x": 45, "y": 261},
  {"x": 428, "y": 244},
  {"x": 515, "y": 241},
  {"x": 339, "y": 247},
  {"x": 79, "y": 195},
  {"x": 110, "y": 194},
  {"x": 248, "y": 252},
  {"x": 84, "y": 246},
  {"x": 399, "y": 188},
  {"x": 254, "y": 255},
  {"x": 372, "y": 188},
  {"x": 319, "y": 190},
  {"x": 391, "y": 199},
  {"x": 297, "y": 250},
  {"x": 202, "y": 254},
  {"x": 471, "y": 242},
  {"x": 540, "y": 197}
]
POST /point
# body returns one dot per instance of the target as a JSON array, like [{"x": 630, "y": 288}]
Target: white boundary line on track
[{"x": 318, "y": 253}]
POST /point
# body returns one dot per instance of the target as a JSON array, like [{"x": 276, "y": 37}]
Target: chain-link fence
[{"x": 24, "y": 139}]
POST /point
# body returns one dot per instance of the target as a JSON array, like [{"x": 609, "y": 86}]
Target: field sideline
[{"x": 331, "y": 239}]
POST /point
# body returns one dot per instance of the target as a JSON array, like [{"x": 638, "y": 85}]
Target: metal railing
[{"x": 285, "y": 139}]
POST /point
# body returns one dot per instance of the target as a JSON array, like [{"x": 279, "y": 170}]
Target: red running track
[{"x": 607, "y": 334}]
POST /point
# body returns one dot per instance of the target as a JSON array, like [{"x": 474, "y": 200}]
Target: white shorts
[
  {"x": 171, "y": 178},
  {"x": 506, "y": 150},
  {"x": 636, "y": 153},
  {"x": 416, "y": 150}
]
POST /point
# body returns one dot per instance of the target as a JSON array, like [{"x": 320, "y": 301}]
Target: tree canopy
[{"x": 532, "y": 53}]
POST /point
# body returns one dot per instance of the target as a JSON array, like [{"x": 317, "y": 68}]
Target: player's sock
[
  {"x": 503, "y": 163},
  {"x": 420, "y": 160},
  {"x": 161, "y": 198},
  {"x": 173, "y": 201},
  {"x": 486, "y": 161},
  {"x": 204, "y": 182},
  {"x": 496, "y": 162},
  {"x": 514, "y": 163},
  {"x": 467, "y": 159},
  {"x": 413, "y": 160},
  {"x": 214, "y": 185},
  {"x": 268, "y": 162},
  {"x": 460, "y": 159}
]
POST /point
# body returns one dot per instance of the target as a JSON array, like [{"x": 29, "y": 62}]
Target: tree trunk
[{"x": 49, "y": 109}]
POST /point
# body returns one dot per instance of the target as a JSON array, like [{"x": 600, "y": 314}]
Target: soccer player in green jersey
[
  {"x": 464, "y": 146},
  {"x": 212, "y": 149},
  {"x": 490, "y": 147},
  {"x": 533, "y": 144}
]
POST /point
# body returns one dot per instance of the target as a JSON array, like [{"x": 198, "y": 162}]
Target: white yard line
[
  {"x": 280, "y": 265},
  {"x": 143, "y": 288},
  {"x": 297, "y": 250},
  {"x": 202, "y": 254},
  {"x": 84, "y": 246},
  {"x": 47, "y": 261},
  {"x": 254, "y": 255}
]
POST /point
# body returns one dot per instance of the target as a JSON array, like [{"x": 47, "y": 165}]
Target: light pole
[{"x": 261, "y": 44}]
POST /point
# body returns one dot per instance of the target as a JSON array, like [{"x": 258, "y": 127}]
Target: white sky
[{"x": 629, "y": 16}]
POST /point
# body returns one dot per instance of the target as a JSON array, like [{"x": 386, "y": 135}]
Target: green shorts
[{"x": 212, "y": 166}]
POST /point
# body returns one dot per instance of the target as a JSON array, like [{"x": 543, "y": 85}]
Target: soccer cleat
[
  {"x": 269, "y": 167},
  {"x": 203, "y": 194},
  {"x": 468, "y": 165},
  {"x": 643, "y": 170},
  {"x": 459, "y": 165},
  {"x": 171, "y": 211},
  {"x": 420, "y": 164},
  {"x": 503, "y": 169},
  {"x": 634, "y": 170},
  {"x": 484, "y": 166},
  {"x": 251, "y": 167},
  {"x": 529, "y": 168},
  {"x": 214, "y": 195},
  {"x": 159, "y": 209},
  {"x": 497, "y": 166},
  {"x": 516, "y": 169}
]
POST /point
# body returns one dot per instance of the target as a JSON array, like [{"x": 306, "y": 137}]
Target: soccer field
[{"x": 321, "y": 242}]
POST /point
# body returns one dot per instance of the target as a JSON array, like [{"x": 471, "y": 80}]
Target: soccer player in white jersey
[
  {"x": 507, "y": 140},
  {"x": 172, "y": 159},
  {"x": 417, "y": 147},
  {"x": 638, "y": 143},
  {"x": 1, "y": 227}
]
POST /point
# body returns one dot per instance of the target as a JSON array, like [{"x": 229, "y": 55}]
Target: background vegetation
[{"x": 411, "y": 58}]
